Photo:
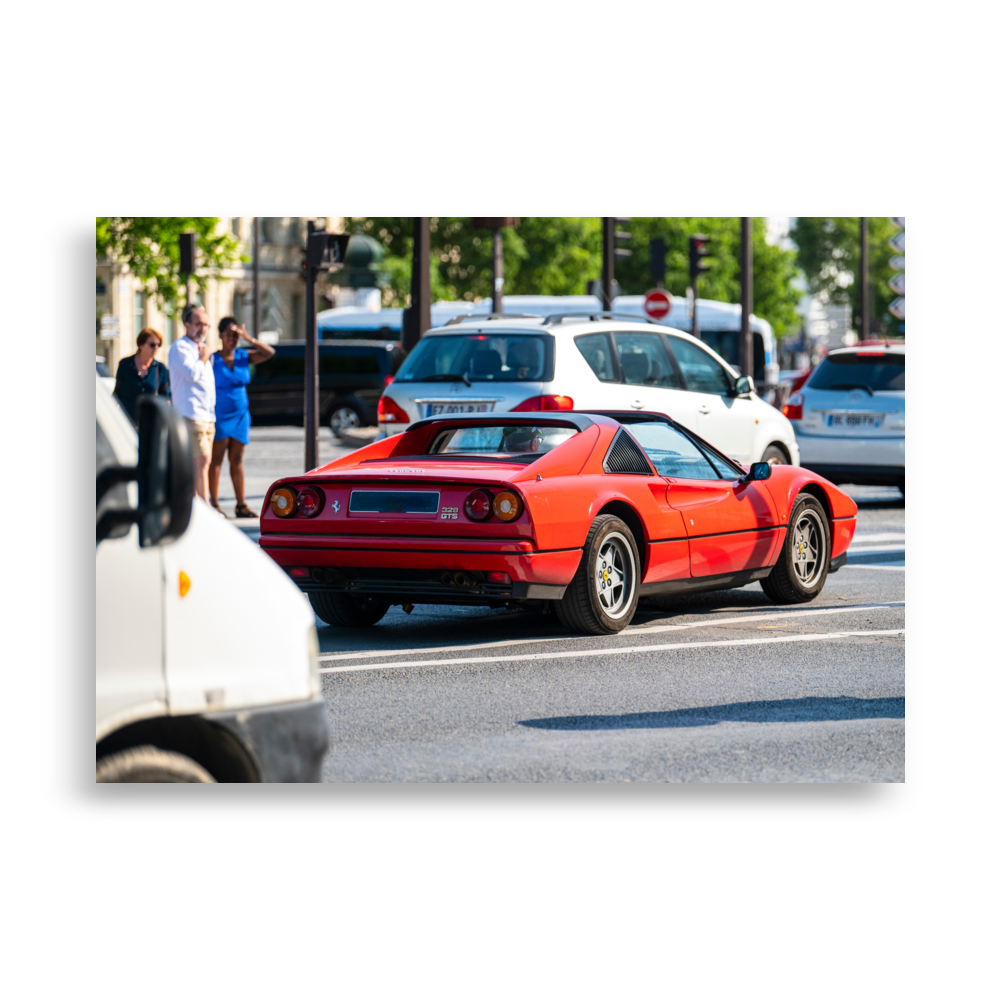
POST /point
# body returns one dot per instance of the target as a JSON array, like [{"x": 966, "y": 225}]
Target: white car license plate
[
  {"x": 855, "y": 421},
  {"x": 433, "y": 409}
]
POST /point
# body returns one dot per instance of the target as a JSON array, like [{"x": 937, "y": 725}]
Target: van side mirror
[
  {"x": 759, "y": 471},
  {"x": 744, "y": 385},
  {"x": 165, "y": 474}
]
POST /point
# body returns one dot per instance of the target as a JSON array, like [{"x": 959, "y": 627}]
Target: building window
[{"x": 140, "y": 312}]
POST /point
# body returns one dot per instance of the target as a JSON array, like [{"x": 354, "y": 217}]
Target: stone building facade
[{"x": 122, "y": 297}]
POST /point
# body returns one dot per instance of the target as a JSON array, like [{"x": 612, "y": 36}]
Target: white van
[{"x": 207, "y": 658}]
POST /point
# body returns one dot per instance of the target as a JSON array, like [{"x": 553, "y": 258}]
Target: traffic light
[
  {"x": 621, "y": 252},
  {"x": 188, "y": 247},
  {"x": 697, "y": 249},
  {"x": 658, "y": 260}
]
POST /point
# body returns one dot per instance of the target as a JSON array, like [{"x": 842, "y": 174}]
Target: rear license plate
[
  {"x": 855, "y": 421},
  {"x": 394, "y": 502},
  {"x": 433, "y": 409}
]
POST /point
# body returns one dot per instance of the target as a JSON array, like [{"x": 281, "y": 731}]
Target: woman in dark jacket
[{"x": 141, "y": 374}]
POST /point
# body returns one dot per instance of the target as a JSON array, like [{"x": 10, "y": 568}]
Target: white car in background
[
  {"x": 850, "y": 416},
  {"x": 585, "y": 362}
]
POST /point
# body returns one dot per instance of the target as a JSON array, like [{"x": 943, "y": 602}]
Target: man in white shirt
[{"x": 192, "y": 381}]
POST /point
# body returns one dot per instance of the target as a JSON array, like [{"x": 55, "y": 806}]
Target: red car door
[{"x": 731, "y": 526}]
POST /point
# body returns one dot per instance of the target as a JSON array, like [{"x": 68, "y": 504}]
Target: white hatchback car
[
  {"x": 850, "y": 416},
  {"x": 583, "y": 362}
]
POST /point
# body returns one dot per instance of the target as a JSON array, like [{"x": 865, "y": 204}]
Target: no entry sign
[{"x": 657, "y": 304}]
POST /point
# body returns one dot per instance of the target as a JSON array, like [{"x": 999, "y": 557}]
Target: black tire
[
  {"x": 582, "y": 609},
  {"x": 901, "y": 486},
  {"x": 795, "y": 583},
  {"x": 148, "y": 764},
  {"x": 344, "y": 417},
  {"x": 346, "y": 611},
  {"x": 774, "y": 454}
]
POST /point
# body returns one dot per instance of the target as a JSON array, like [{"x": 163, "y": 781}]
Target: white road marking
[
  {"x": 878, "y": 536},
  {"x": 638, "y": 630},
  {"x": 894, "y": 569},
  {"x": 565, "y": 654}
]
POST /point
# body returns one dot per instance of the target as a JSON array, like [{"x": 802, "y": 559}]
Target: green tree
[
  {"x": 542, "y": 256},
  {"x": 774, "y": 269},
  {"x": 558, "y": 255},
  {"x": 829, "y": 251},
  {"x": 150, "y": 248}
]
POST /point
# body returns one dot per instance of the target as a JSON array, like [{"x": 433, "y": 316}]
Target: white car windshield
[
  {"x": 512, "y": 439},
  {"x": 479, "y": 358}
]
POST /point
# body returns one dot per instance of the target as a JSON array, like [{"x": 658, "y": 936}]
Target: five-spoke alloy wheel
[
  {"x": 604, "y": 593},
  {"x": 804, "y": 561}
]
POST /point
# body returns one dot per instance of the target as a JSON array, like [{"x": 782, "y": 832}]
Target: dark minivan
[{"x": 352, "y": 377}]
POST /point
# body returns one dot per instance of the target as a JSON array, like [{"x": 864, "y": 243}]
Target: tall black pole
[
  {"x": 608, "y": 261},
  {"x": 497, "y": 271},
  {"x": 312, "y": 357},
  {"x": 419, "y": 313},
  {"x": 863, "y": 280},
  {"x": 746, "y": 295},
  {"x": 256, "y": 277}
]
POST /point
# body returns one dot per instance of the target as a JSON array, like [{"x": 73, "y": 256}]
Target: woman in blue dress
[{"x": 232, "y": 409}]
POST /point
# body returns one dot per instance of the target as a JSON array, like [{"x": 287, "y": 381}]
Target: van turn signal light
[{"x": 183, "y": 583}]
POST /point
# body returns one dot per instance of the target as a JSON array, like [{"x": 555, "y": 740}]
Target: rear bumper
[
  {"x": 419, "y": 570},
  {"x": 816, "y": 450},
  {"x": 862, "y": 475}
]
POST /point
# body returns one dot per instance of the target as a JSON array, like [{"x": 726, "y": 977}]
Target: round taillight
[
  {"x": 478, "y": 505},
  {"x": 283, "y": 502},
  {"x": 310, "y": 501},
  {"x": 506, "y": 506}
]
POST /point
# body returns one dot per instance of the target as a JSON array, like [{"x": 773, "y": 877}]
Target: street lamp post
[
  {"x": 496, "y": 223},
  {"x": 863, "y": 279},
  {"x": 256, "y": 277},
  {"x": 324, "y": 252},
  {"x": 746, "y": 295}
]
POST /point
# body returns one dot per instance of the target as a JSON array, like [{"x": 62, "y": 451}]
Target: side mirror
[
  {"x": 744, "y": 385},
  {"x": 165, "y": 474},
  {"x": 758, "y": 472}
]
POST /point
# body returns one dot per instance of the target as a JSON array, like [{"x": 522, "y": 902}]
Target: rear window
[
  {"x": 354, "y": 363},
  {"x": 289, "y": 362},
  {"x": 874, "y": 370},
  {"x": 514, "y": 439},
  {"x": 480, "y": 358}
]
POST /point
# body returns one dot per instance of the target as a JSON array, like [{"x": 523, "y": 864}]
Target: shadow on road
[{"x": 790, "y": 710}]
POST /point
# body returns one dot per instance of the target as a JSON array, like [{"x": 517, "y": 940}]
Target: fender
[{"x": 788, "y": 481}]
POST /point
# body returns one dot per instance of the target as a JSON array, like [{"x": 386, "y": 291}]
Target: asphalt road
[{"x": 720, "y": 687}]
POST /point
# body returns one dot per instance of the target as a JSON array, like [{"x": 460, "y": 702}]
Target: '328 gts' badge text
[{"x": 449, "y": 513}]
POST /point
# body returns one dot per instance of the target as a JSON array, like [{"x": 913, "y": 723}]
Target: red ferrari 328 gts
[{"x": 590, "y": 511}]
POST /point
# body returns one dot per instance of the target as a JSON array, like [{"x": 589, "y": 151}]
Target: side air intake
[{"x": 625, "y": 457}]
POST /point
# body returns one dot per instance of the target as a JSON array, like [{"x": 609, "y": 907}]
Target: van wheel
[
  {"x": 151, "y": 765},
  {"x": 604, "y": 593},
  {"x": 347, "y": 611},
  {"x": 804, "y": 562},
  {"x": 774, "y": 454},
  {"x": 344, "y": 418}
]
